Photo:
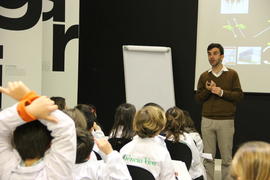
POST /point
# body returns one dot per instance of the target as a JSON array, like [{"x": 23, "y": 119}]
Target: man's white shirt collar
[{"x": 224, "y": 68}]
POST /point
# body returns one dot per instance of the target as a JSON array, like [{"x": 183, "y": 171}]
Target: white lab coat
[
  {"x": 112, "y": 168},
  {"x": 150, "y": 154}
]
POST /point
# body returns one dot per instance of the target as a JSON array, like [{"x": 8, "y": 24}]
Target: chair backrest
[
  {"x": 97, "y": 155},
  {"x": 118, "y": 143},
  {"x": 138, "y": 173},
  {"x": 179, "y": 151}
]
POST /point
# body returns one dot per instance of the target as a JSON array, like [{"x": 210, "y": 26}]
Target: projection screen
[{"x": 243, "y": 28}]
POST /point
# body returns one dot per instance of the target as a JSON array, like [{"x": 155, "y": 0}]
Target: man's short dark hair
[
  {"x": 85, "y": 143},
  {"x": 59, "y": 101},
  {"x": 31, "y": 140},
  {"x": 216, "y": 45}
]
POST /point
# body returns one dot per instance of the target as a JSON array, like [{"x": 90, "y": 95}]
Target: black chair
[
  {"x": 199, "y": 178},
  {"x": 138, "y": 173},
  {"x": 118, "y": 143},
  {"x": 179, "y": 151},
  {"x": 97, "y": 155}
]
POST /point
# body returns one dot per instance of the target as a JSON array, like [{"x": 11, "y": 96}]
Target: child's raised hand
[
  {"x": 41, "y": 108},
  {"x": 16, "y": 90},
  {"x": 104, "y": 145},
  {"x": 96, "y": 127}
]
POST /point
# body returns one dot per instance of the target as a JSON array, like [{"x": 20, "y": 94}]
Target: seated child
[
  {"x": 113, "y": 167},
  {"x": 175, "y": 131},
  {"x": 77, "y": 116},
  {"x": 123, "y": 120},
  {"x": 91, "y": 119},
  {"x": 81, "y": 122},
  {"x": 188, "y": 127},
  {"x": 41, "y": 149},
  {"x": 148, "y": 149},
  {"x": 251, "y": 161}
]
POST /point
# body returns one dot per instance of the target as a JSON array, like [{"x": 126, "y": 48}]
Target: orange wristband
[
  {"x": 21, "y": 108},
  {"x": 30, "y": 97}
]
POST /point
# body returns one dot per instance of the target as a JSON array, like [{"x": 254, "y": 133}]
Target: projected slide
[
  {"x": 243, "y": 28},
  {"x": 234, "y": 6}
]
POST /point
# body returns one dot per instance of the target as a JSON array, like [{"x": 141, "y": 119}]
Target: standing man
[{"x": 218, "y": 90}]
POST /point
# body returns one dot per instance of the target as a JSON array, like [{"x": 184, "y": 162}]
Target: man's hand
[
  {"x": 104, "y": 145},
  {"x": 217, "y": 91},
  {"x": 16, "y": 90},
  {"x": 41, "y": 109},
  {"x": 209, "y": 85}
]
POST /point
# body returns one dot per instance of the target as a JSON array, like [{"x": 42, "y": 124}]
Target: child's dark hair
[
  {"x": 85, "y": 143},
  {"x": 59, "y": 101},
  {"x": 31, "y": 140},
  {"x": 89, "y": 114},
  {"x": 93, "y": 109},
  {"x": 189, "y": 123},
  {"x": 123, "y": 118}
]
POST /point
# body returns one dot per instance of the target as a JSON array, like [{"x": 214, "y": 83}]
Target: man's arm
[
  {"x": 202, "y": 93},
  {"x": 236, "y": 94}
]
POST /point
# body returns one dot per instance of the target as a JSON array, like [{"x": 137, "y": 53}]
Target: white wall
[
  {"x": 22, "y": 54},
  {"x": 57, "y": 83},
  {"x": 28, "y": 53}
]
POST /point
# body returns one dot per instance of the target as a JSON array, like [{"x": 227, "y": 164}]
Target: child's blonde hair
[
  {"x": 252, "y": 161},
  {"x": 149, "y": 121}
]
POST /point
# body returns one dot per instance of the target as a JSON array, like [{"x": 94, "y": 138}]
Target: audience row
[{"x": 38, "y": 141}]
